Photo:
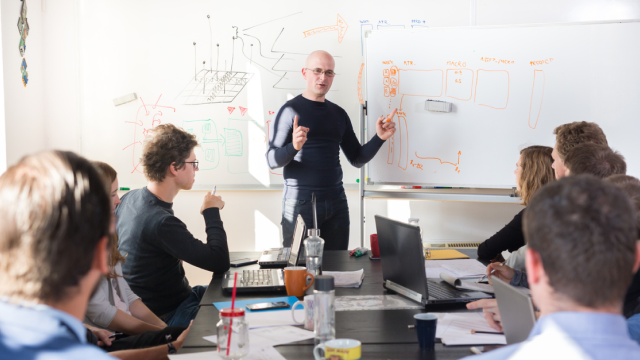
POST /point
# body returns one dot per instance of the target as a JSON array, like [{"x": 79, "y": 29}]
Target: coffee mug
[
  {"x": 339, "y": 349},
  {"x": 295, "y": 280},
  {"x": 307, "y": 303}
]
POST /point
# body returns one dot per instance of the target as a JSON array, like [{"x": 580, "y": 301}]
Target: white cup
[{"x": 308, "y": 312}]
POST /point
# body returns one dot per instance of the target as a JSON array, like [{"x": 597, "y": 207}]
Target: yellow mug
[{"x": 339, "y": 349}]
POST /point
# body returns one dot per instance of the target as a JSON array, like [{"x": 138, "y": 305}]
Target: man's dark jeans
[
  {"x": 187, "y": 310},
  {"x": 333, "y": 220}
]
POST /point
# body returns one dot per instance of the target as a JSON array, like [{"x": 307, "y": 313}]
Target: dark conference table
[{"x": 384, "y": 333}]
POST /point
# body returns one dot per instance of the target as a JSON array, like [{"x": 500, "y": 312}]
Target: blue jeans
[
  {"x": 333, "y": 220},
  {"x": 187, "y": 310},
  {"x": 634, "y": 327}
]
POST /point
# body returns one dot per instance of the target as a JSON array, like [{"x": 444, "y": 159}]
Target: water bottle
[
  {"x": 324, "y": 309},
  {"x": 313, "y": 249}
]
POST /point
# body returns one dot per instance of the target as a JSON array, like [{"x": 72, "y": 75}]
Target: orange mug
[{"x": 295, "y": 280}]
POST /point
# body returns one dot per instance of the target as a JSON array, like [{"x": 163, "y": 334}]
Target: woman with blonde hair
[
  {"x": 116, "y": 309},
  {"x": 533, "y": 171}
]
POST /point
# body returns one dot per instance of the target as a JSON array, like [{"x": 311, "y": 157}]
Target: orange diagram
[
  {"x": 537, "y": 94},
  {"x": 340, "y": 27},
  {"x": 459, "y": 84},
  {"x": 403, "y": 162},
  {"x": 360, "y": 85},
  {"x": 492, "y": 78},
  {"x": 457, "y": 169}
]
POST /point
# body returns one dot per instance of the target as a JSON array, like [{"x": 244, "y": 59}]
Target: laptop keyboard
[
  {"x": 257, "y": 277},
  {"x": 283, "y": 254},
  {"x": 440, "y": 291}
]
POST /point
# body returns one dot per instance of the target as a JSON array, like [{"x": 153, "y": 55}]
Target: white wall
[
  {"x": 45, "y": 115},
  {"x": 24, "y": 106}
]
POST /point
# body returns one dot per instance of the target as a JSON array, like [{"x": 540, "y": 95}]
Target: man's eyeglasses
[
  {"x": 327, "y": 73},
  {"x": 195, "y": 164}
]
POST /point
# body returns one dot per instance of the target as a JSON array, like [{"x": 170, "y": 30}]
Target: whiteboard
[
  {"x": 146, "y": 47},
  {"x": 510, "y": 87}
]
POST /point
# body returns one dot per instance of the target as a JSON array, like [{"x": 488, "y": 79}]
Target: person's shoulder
[
  {"x": 59, "y": 348},
  {"x": 131, "y": 195},
  {"x": 334, "y": 107}
]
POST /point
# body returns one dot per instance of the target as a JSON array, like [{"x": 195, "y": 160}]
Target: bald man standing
[{"x": 306, "y": 136}]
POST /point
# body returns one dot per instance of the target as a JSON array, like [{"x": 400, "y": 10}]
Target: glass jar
[{"x": 233, "y": 319}]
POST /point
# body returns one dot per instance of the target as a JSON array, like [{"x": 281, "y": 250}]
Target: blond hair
[{"x": 536, "y": 170}]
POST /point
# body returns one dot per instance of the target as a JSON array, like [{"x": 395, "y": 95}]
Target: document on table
[
  {"x": 272, "y": 318},
  {"x": 466, "y": 285},
  {"x": 272, "y": 336},
  {"x": 374, "y": 302},
  {"x": 434, "y": 268},
  {"x": 346, "y": 278},
  {"x": 465, "y": 268},
  {"x": 455, "y": 329},
  {"x": 265, "y": 353}
]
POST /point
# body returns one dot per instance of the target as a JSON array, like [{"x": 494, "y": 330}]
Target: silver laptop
[
  {"x": 516, "y": 311},
  {"x": 280, "y": 257},
  {"x": 266, "y": 279},
  {"x": 403, "y": 269}
]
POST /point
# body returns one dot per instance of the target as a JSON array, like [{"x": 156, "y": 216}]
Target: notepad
[
  {"x": 243, "y": 303},
  {"x": 444, "y": 254}
]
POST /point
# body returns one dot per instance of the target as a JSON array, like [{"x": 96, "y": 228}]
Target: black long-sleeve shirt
[
  {"x": 509, "y": 238},
  {"x": 154, "y": 241},
  {"x": 316, "y": 167}
]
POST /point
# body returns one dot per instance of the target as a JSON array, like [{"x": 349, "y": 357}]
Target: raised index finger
[
  {"x": 393, "y": 113},
  {"x": 295, "y": 122}
]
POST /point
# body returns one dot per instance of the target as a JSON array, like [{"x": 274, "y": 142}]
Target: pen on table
[
  {"x": 492, "y": 271},
  {"x": 213, "y": 192},
  {"x": 486, "y": 332}
]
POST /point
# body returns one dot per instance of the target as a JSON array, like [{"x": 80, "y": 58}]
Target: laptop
[
  {"x": 403, "y": 269},
  {"x": 267, "y": 279},
  {"x": 516, "y": 311},
  {"x": 279, "y": 257}
]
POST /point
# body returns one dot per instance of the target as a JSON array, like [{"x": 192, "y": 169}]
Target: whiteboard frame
[{"x": 366, "y": 95}]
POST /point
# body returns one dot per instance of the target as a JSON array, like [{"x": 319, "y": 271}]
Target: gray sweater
[
  {"x": 155, "y": 241},
  {"x": 102, "y": 307}
]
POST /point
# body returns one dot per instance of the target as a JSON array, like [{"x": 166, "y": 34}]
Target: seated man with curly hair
[{"x": 156, "y": 242}]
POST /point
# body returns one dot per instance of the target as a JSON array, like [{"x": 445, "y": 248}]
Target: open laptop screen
[{"x": 298, "y": 235}]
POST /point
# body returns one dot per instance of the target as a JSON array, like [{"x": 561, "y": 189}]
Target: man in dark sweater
[
  {"x": 155, "y": 242},
  {"x": 305, "y": 139}
]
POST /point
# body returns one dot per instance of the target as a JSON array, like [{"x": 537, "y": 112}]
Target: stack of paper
[
  {"x": 268, "y": 353},
  {"x": 261, "y": 343},
  {"x": 455, "y": 329},
  {"x": 455, "y": 268},
  {"x": 346, "y": 278},
  {"x": 374, "y": 302}
]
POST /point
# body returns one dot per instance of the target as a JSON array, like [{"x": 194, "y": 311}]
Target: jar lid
[
  {"x": 229, "y": 312},
  {"x": 323, "y": 283}
]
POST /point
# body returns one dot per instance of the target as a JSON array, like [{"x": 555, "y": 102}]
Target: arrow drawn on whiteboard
[{"x": 340, "y": 27}]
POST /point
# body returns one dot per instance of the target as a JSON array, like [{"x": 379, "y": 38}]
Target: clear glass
[
  {"x": 324, "y": 316},
  {"x": 239, "y": 346},
  {"x": 313, "y": 249}
]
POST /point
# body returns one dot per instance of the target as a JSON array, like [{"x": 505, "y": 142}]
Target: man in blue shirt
[
  {"x": 306, "y": 137},
  {"x": 581, "y": 258},
  {"x": 55, "y": 218}
]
